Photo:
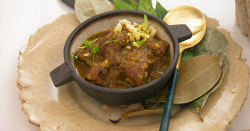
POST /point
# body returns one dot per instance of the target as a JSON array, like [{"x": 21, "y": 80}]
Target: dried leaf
[
  {"x": 212, "y": 43},
  {"x": 137, "y": 113},
  {"x": 198, "y": 104},
  {"x": 146, "y": 6},
  {"x": 162, "y": 95},
  {"x": 160, "y": 10},
  {"x": 87, "y": 8},
  {"x": 197, "y": 76}
]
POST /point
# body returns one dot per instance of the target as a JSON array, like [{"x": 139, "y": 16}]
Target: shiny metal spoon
[{"x": 196, "y": 22}]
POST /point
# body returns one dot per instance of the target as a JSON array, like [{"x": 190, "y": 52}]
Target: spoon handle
[{"x": 169, "y": 102}]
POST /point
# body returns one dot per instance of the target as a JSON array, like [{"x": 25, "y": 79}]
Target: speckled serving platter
[{"x": 68, "y": 108}]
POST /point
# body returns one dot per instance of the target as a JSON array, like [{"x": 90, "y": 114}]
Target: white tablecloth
[{"x": 21, "y": 18}]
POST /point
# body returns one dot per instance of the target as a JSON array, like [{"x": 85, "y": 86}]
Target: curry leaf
[
  {"x": 146, "y": 6},
  {"x": 87, "y": 8},
  {"x": 212, "y": 43},
  {"x": 127, "y": 1},
  {"x": 198, "y": 104},
  {"x": 186, "y": 56},
  {"x": 197, "y": 76},
  {"x": 134, "y": 4},
  {"x": 150, "y": 102},
  {"x": 160, "y": 10},
  {"x": 137, "y": 113},
  {"x": 121, "y": 5}
]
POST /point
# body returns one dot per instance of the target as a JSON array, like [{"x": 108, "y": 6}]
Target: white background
[{"x": 21, "y": 18}]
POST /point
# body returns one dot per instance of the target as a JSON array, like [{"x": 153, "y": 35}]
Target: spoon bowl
[
  {"x": 196, "y": 22},
  {"x": 194, "y": 19}
]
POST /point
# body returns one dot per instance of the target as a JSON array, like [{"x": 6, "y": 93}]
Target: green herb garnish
[
  {"x": 94, "y": 50},
  {"x": 88, "y": 45},
  {"x": 74, "y": 55},
  {"x": 110, "y": 40},
  {"x": 145, "y": 22},
  {"x": 140, "y": 42},
  {"x": 82, "y": 48}
]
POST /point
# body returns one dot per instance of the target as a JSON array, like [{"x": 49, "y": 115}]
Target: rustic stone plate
[{"x": 69, "y": 108}]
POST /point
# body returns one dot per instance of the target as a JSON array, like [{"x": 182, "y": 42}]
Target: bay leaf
[
  {"x": 196, "y": 77},
  {"x": 88, "y": 8},
  {"x": 198, "y": 104},
  {"x": 160, "y": 10},
  {"x": 146, "y": 6},
  {"x": 122, "y": 5},
  {"x": 161, "y": 96},
  {"x": 137, "y": 113},
  {"x": 212, "y": 43}
]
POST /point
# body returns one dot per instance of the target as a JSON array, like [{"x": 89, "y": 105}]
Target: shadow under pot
[{"x": 66, "y": 73}]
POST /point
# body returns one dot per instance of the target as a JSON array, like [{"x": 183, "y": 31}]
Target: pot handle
[
  {"x": 61, "y": 75},
  {"x": 182, "y": 32}
]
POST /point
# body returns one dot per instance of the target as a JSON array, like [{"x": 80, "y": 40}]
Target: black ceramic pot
[{"x": 65, "y": 73}]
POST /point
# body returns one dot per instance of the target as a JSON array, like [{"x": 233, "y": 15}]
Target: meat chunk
[
  {"x": 86, "y": 55},
  {"x": 97, "y": 74},
  {"x": 109, "y": 48},
  {"x": 137, "y": 73},
  {"x": 159, "y": 47},
  {"x": 101, "y": 75},
  {"x": 122, "y": 38}
]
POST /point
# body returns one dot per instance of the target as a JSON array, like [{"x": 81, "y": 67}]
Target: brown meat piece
[
  {"x": 109, "y": 50},
  {"x": 159, "y": 47},
  {"x": 122, "y": 37},
  {"x": 88, "y": 58},
  {"x": 80, "y": 54},
  {"x": 137, "y": 72},
  {"x": 101, "y": 75},
  {"x": 97, "y": 74}
]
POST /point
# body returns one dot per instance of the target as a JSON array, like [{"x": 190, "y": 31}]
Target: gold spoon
[{"x": 196, "y": 22}]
